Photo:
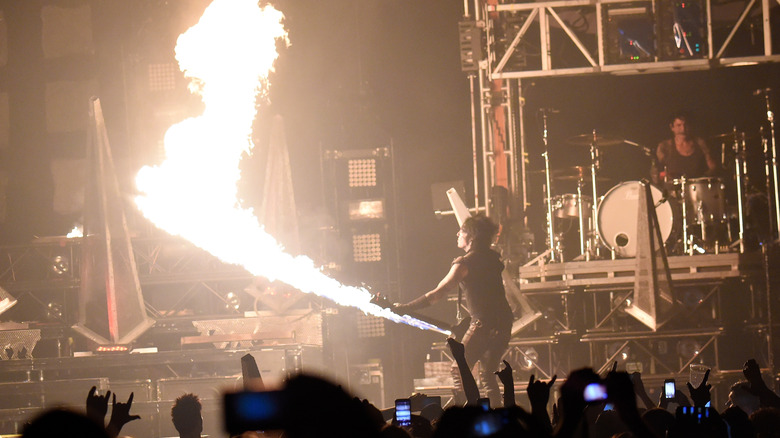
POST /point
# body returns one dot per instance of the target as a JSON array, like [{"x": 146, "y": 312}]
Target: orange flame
[{"x": 227, "y": 56}]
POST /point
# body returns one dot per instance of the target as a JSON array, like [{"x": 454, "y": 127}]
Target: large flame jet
[{"x": 227, "y": 57}]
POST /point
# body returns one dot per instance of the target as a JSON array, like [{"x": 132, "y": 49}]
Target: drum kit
[{"x": 694, "y": 216}]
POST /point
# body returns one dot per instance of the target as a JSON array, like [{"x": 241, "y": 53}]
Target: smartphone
[
  {"x": 484, "y": 403},
  {"x": 254, "y": 410},
  {"x": 403, "y": 412},
  {"x": 670, "y": 389},
  {"x": 595, "y": 392},
  {"x": 694, "y": 414}
]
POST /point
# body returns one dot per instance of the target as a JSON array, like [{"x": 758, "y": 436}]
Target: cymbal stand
[
  {"x": 548, "y": 190},
  {"x": 684, "y": 195},
  {"x": 770, "y": 117},
  {"x": 739, "y": 151},
  {"x": 580, "y": 213},
  {"x": 594, "y": 165},
  {"x": 768, "y": 176}
]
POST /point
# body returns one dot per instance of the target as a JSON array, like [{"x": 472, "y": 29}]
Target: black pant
[{"x": 486, "y": 344}]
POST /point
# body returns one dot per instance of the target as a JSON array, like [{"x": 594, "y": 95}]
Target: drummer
[{"x": 682, "y": 155}]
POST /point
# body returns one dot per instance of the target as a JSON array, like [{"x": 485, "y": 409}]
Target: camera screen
[
  {"x": 595, "y": 392},
  {"x": 403, "y": 412},
  {"x": 245, "y": 411},
  {"x": 669, "y": 389}
]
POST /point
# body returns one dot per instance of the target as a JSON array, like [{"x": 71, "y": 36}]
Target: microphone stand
[
  {"x": 770, "y": 117},
  {"x": 548, "y": 187},
  {"x": 594, "y": 165},
  {"x": 739, "y": 160}
]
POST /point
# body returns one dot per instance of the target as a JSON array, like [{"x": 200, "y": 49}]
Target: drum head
[{"x": 617, "y": 217}]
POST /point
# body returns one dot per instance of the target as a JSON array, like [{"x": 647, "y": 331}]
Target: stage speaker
[
  {"x": 367, "y": 381},
  {"x": 470, "y": 45}
]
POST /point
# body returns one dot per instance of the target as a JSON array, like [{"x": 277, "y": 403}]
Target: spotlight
[
  {"x": 232, "y": 301},
  {"x": 688, "y": 348},
  {"x": 620, "y": 301},
  {"x": 691, "y": 297},
  {"x": 6, "y": 300},
  {"x": 110, "y": 349},
  {"x": 54, "y": 311},
  {"x": 60, "y": 265},
  {"x": 620, "y": 355},
  {"x": 529, "y": 360}
]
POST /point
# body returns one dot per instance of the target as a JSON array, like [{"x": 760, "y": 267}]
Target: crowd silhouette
[{"x": 309, "y": 406}]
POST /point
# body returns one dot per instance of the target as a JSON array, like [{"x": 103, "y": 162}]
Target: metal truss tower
[{"x": 504, "y": 42}]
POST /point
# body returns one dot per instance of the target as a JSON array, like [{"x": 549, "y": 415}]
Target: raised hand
[
  {"x": 752, "y": 373},
  {"x": 538, "y": 391},
  {"x": 97, "y": 405},
  {"x": 457, "y": 349},
  {"x": 120, "y": 415},
  {"x": 758, "y": 387},
  {"x": 701, "y": 394},
  {"x": 470, "y": 387},
  {"x": 641, "y": 392},
  {"x": 505, "y": 375},
  {"x": 539, "y": 394},
  {"x": 506, "y": 378}
]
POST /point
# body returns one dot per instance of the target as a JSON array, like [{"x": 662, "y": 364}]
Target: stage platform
[{"x": 619, "y": 273}]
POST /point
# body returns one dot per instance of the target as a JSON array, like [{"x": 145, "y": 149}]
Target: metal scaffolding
[{"x": 504, "y": 42}]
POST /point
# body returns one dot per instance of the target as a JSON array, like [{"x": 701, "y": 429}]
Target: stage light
[
  {"x": 6, "y": 300},
  {"x": 367, "y": 247},
  {"x": 688, "y": 348},
  {"x": 108, "y": 349},
  {"x": 162, "y": 77},
  {"x": 617, "y": 353},
  {"x": 232, "y": 301},
  {"x": 366, "y": 209},
  {"x": 60, "y": 265},
  {"x": 54, "y": 311},
  {"x": 691, "y": 297},
  {"x": 77, "y": 231},
  {"x": 362, "y": 172},
  {"x": 370, "y": 326},
  {"x": 530, "y": 358}
]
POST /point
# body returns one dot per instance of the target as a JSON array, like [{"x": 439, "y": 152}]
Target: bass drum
[{"x": 617, "y": 217}]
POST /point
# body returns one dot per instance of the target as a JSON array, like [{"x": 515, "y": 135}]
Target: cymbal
[
  {"x": 731, "y": 136},
  {"x": 574, "y": 173},
  {"x": 576, "y": 178},
  {"x": 600, "y": 140}
]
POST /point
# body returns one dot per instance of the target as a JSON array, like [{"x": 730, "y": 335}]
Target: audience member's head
[
  {"x": 609, "y": 424},
  {"x": 393, "y": 431},
  {"x": 317, "y": 407},
  {"x": 766, "y": 422},
  {"x": 372, "y": 411},
  {"x": 658, "y": 421},
  {"x": 186, "y": 416},
  {"x": 738, "y": 422},
  {"x": 741, "y": 397},
  {"x": 421, "y": 427},
  {"x": 62, "y": 423}
]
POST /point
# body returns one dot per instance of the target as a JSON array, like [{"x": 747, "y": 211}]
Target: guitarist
[{"x": 478, "y": 273}]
